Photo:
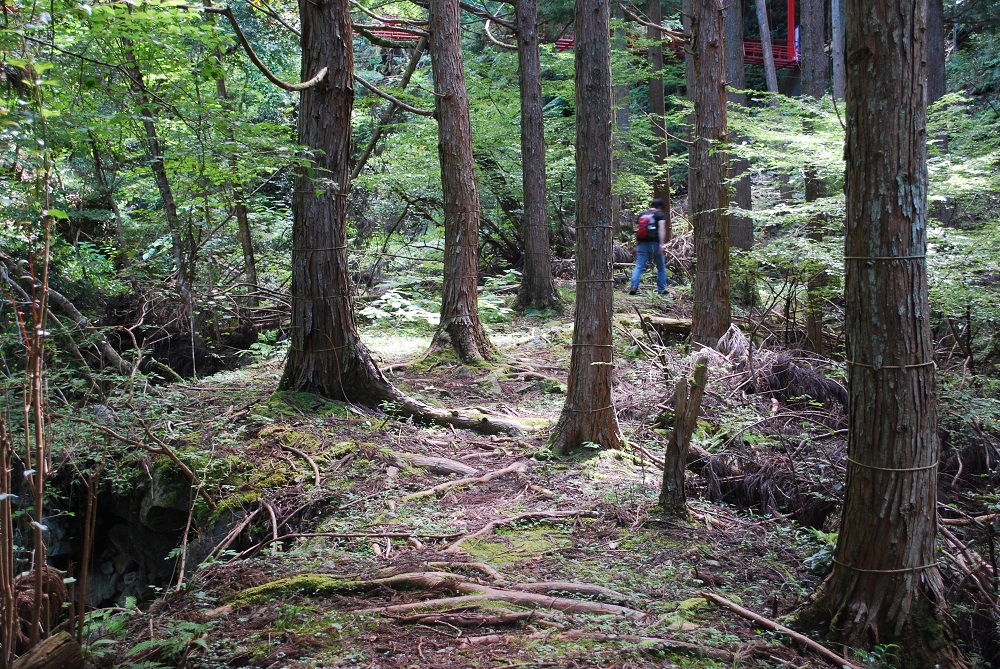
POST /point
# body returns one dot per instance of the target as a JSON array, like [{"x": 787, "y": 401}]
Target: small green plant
[
  {"x": 265, "y": 346},
  {"x": 821, "y": 561},
  {"x": 882, "y": 656}
]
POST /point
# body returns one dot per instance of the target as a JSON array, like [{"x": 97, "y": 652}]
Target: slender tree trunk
[
  {"x": 935, "y": 51},
  {"x": 589, "y": 412},
  {"x": 185, "y": 271},
  {"x": 814, "y": 76},
  {"x": 837, "y": 48},
  {"x": 623, "y": 121},
  {"x": 460, "y": 328},
  {"x": 770, "y": 73},
  {"x": 657, "y": 111},
  {"x": 537, "y": 290},
  {"x": 740, "y": 227},
  {"x": 885, "y": 586},
  {"x": 327, "y": 356},
  {"x": 710, "y": 198},
  {"x": 390, "y": 110}
]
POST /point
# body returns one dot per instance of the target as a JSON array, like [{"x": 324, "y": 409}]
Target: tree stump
[
  {"x": 57, "y": 652},
  {"x": 687, "y": 403}
]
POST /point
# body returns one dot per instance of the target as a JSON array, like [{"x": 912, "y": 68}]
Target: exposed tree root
[
  {"x": 433, "y": 463},
  {"x": 574, "y": 588},
  {"x": 837, "y": 660},
  {"x": 648, "y": 643},
  {"x": 481, "y": 567},
  {"x": 474, "y": 593},
  {"x": 317, "y": 479},
  {"x": 530, "y": 515},
  {"x": 467, "y": 619},
  {"x": 518, "y": 468}
]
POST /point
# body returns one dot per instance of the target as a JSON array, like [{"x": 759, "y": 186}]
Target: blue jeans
[{"x": 647, "y": 250}]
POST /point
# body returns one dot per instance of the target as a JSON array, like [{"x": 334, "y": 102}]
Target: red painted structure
[{"x": 786, "y": 55}]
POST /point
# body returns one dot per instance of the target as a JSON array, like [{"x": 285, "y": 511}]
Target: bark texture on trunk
[
  {"x": 839, "y": 67},
  {"x": 709, "y": 163},
  {"x": 460, "y": 328},
  {"x": 657, "y": 111},
  {"x": 815, "y": 70},
  {"x": 589, "y": 413},
  {"x": 885, "y": 586},
  {"x": 327, "y": 356},
  {"x": 537, "y": 290},
  {"x": 740, "y": 227},
  {"x": 935, "y": 51}
]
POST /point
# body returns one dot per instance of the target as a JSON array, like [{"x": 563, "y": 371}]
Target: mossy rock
[
  {"x": 303, "y": 584},
  {"x": 554, "y": 386}
]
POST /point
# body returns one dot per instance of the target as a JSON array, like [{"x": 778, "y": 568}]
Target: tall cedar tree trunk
[
  {"x": 770, "y": 73},
  {"x": 839, "y": 67},
  {"x": 327, "y": 356},
  {"x": 710, "y": 199},
  {"x": 657, "y": 111},
  {"x": 740, "y": 227},
  {"x": 538, "y": 290},
  {"x": 623, "y": 121},
  {"x": 589, "y": 413},
  {"x": 814, "y": 77},
  {"x": 460, "y": 328},
  {"x": 885, "y": 586}
]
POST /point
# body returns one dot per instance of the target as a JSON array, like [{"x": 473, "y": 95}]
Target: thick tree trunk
[
  {"x": 538, "y": 290},
  {"x": 885, "y": 586},
  {"x": 837, "y": 48},
  {"x": 657, "y": 112},
  {"x": 740, "y": 227},
  {"x": 460, "y": 328},
  {"x": 710, "y": 197},
  {"x": 770, "y": 73},
  {"x": 327, "y": 356},
  {"x": 589, "y": 413}
]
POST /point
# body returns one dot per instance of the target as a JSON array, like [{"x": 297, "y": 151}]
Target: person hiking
[{"x": 651, "y": 240}]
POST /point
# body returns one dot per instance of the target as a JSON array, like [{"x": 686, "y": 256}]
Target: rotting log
[
  {"x": 57, "y": 652},
  {"x": 432, "y": 463},
  {"x": 688, "y": 403},
  {"x": 663, "y": 326}
]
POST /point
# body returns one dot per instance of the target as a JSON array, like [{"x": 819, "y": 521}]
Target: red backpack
[{"x": 647, "y": 227}]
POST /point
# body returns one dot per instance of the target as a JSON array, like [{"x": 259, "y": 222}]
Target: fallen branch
[
  {"x": 317, "y": 480},
  {"x": 837, "y": 660},
  {"x": 530, "y": 515},
  {"x": 518, "y": 468}
]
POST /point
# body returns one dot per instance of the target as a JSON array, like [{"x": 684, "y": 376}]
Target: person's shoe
[{"x": 633, "y": 291}]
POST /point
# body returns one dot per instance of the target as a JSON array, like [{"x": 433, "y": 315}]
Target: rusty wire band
[
  {"x": 595, "y": 345},
  {"x": 326, "y": 248},
  {"x": 885, "y": 571},
  {"x": 612, "y": 406},
  {"x": 324, "y": 350},
  {"x": 595, "y": 280},
  {"x": 855, "y": 363},
  {"x": 889, "y": 469},
  {"x": 923, "y": 257}
]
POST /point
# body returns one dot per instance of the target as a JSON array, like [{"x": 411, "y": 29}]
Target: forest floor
[{"x": 543, "y": 563}]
